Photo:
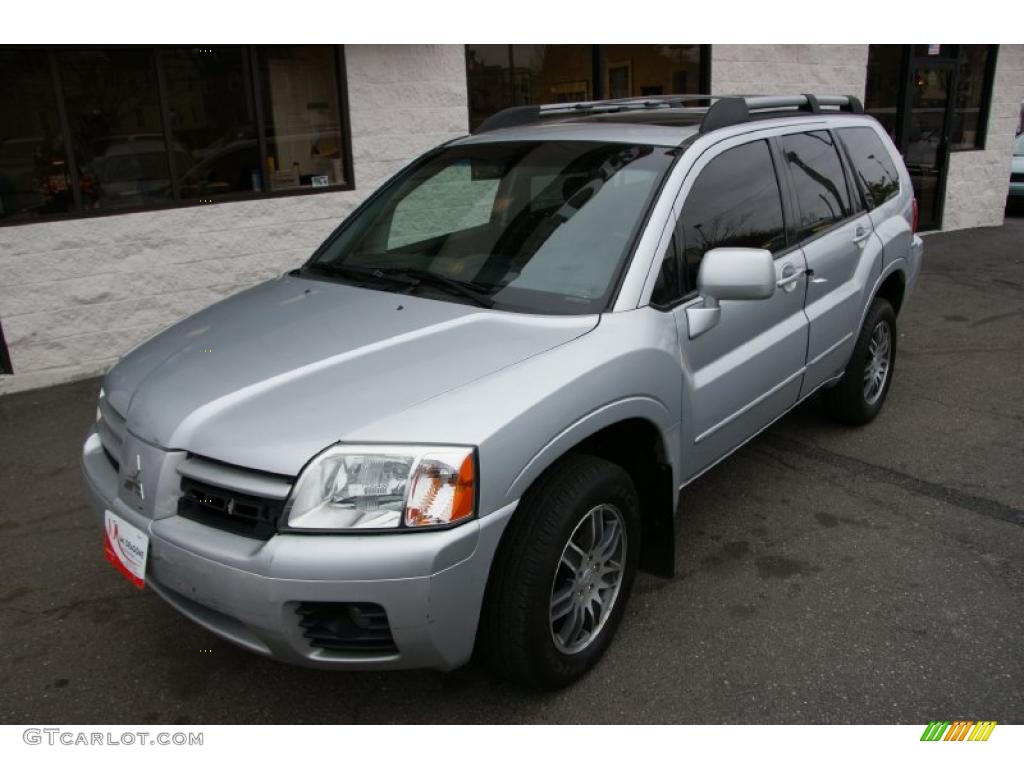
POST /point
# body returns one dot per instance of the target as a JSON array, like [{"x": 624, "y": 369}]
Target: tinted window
[
  {"x": 734, "y": 202},
  {"x": 818, "y": 180},
  {"x": 34, "y": 175},
  {"x": 972, "y": 96},
  {"x": 500, "y": 76},
  {"x": 872, "y": 164},
  {"x": 213, "y": 120},
  {"x": 668, "y": 287},
  {"x": 116, "y": 127}
]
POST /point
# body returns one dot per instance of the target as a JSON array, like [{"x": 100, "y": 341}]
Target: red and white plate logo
[{"x": 126, "y": 547}]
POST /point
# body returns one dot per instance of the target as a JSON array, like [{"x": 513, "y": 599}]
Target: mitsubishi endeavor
[{"x": 465, "y": 422}]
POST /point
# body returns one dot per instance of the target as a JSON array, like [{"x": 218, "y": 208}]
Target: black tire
[
  {"x": 516, "y": 630},
  {"x": 846, "y": 402}
]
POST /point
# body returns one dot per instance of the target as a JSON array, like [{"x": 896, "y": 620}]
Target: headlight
[{"x": 384, "y": 487}]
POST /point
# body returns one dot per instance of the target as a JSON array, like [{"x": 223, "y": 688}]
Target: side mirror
[{"x": 729, "y": 274}]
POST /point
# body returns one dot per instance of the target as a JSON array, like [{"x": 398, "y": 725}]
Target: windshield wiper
[
  {"x": 359, "y": 273},
  {"x": 438, "y": 281}
]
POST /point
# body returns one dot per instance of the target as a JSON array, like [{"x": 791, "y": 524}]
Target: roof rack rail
[
  {"x": 532, "y": 113},
  {"x": 731, "y": 110},
  {"x": 721, "y": 111}
]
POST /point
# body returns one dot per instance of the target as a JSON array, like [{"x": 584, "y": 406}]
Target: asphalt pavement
[{"x": 825, "y": 574}]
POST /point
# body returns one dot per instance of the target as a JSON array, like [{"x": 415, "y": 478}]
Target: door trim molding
[
  {"x": 752, "y": 404},
  {"x": 831, "y": 349}
]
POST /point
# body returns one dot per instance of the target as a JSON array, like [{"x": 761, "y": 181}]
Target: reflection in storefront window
[
  {"x": 148, "y": 126},
  {"x": 212, "y": 113},
  {"x": 116, "y": 128},
  {"x": 882, "y": 92},
  {"x": 34, "y": 176},
  {"x": 968, "y": 118}
]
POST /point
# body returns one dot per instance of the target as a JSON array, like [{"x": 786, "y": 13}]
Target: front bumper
[{"x": 430, "y": 584}]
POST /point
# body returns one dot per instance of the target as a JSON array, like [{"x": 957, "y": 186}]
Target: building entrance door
[{"x": 926, "y": 136}]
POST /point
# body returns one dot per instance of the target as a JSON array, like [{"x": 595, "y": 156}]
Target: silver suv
[{"x": 465, "y": 421}]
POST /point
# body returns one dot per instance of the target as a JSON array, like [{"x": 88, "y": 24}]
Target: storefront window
[
  {"x": 650, "y": 70},
  {"x": 156, "y": 126},
  {"x": 972, "y": 96},
  {"x": 300, "y": 112},
  {"x": 211, "y": 108},
  {"x": 546, "y": 74},
  {"x": 34, "y": 176},
  {"x": 501, "y": 76},
  {"x": 114, "y": 115},
  {"x": 882, "y": 93}
]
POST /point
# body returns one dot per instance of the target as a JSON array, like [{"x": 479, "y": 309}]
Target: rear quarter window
[{"x": 875, "y": 171}]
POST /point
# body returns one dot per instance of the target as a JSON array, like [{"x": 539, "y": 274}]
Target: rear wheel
[
  {"x": 562, "y": 576},
  {"x": 860, "y": 394}
]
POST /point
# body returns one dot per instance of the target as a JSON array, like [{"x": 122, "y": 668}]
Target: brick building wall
[
  {"x": 75, "y": 295},
  {"x": 978, "y": 181},
  {"x": 770, "y": 69}
]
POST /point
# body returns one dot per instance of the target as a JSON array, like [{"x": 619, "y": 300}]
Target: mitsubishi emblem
[{"x": 133, "y": 481}]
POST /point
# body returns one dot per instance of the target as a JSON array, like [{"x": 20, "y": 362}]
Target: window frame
[{"x": 344, "y": 119}]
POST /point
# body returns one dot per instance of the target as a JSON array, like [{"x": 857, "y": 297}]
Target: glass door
[{"x": 926, "y": 147}]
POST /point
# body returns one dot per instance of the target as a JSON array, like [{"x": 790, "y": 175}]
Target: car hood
[
  {"x": 271, "y": 376},
  {"x": 1018, "y": 164}
]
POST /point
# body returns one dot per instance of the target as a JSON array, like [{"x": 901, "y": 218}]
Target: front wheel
[
  {"x": 860, "y": 394},
  {"x": 562, "y": 576}
]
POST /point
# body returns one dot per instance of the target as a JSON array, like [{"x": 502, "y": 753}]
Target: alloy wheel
[
  {"x": 876, "y": 370},
  {"x": 588, "y": 579}
]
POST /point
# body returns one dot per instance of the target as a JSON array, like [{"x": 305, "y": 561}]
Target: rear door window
[
  {"x": 822, "y": 196},
  {"x": 872, "y": 164},
  {"x": 735, "y": 202}
]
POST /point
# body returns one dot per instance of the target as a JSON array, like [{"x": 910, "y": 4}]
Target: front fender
[{"x": 638, "y": 407}]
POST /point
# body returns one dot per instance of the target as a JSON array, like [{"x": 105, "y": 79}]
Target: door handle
[
  {"x": 861, "y": 236},
  {"x": 789, "y": 277}
]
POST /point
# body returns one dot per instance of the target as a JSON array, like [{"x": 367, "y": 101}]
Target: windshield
[
  {"x": 528, "y": 226},
  {"x": 1018, "y": 145}
]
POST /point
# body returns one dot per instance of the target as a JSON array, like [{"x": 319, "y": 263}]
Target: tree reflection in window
[
  {"x": 818, "y": 180},
  {"x": 872, "y": 164},
  {"x": 734, "y": 203}
]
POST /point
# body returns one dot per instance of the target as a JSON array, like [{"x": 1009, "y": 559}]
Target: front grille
[
  {"x": 244, "y": 514},
  {"x": 347, "y": 627},
  {"x": 1017, "y": 178}
]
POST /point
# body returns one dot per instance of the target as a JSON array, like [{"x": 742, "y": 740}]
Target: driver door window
[{"x": 735, "y": 202}]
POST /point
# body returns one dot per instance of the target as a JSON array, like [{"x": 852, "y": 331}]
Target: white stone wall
[
  {"x": 76, "y": 294},
  {"x": 771, "y": 69},
  {"x": 978, "y": 182}
]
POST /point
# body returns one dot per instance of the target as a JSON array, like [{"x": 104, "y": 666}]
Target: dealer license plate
[{"x": 126, "y": 547}]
